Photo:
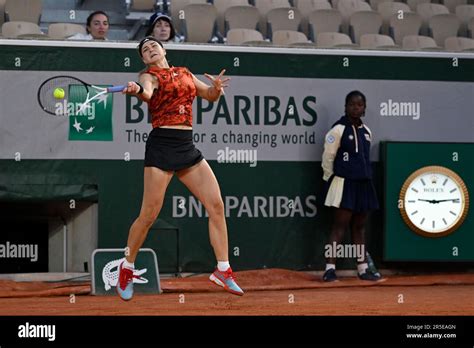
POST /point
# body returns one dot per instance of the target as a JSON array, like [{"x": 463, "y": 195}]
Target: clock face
[{"x": 434, "y": 201}]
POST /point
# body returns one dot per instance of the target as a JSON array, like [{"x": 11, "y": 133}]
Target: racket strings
[{"x": 73, "y": 89}]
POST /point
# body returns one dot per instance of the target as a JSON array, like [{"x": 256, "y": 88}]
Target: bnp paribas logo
[{"x": 93, "y": 121}]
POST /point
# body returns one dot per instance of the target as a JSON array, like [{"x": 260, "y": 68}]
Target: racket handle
[{"x": 115, "y": 89}]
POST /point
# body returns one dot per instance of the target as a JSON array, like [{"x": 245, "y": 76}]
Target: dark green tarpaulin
[{"x": 47, "y": 192}]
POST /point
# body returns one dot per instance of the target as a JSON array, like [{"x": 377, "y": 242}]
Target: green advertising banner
[{"x": 92, "y": 123}]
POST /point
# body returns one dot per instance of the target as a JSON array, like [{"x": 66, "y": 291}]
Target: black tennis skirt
[{"x": 171, "y": 149}]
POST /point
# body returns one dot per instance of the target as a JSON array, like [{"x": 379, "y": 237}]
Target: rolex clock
[{"x": 434, "y": 201}]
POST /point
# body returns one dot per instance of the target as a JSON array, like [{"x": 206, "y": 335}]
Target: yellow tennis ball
[{"x": 59, "y": 93}]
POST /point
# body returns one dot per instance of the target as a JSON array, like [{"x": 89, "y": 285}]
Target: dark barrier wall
[{"x": 289, "y": 242}]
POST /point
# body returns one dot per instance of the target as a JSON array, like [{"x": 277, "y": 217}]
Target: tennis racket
[{"x": 72, "y": 87}]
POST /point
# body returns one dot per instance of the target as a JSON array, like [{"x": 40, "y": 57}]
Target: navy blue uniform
[{"x": 347, "y": 168}]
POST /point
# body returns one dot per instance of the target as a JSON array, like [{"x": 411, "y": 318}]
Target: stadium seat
[
  {"x": 306, "y": 7},
  {"x": 222, "y": 6},
  {"x": 418, "y": 43},
  {"x": 470, "y": 27},
  {"x": 324, "y": 21},
  {"x": 15, "y": 29},
  {"x": 304, "y": 45},
  {"x": 283, "y": 19},
  {"x": 387, "y": 10},
  {"x": 413, "y": 4},
  {"x": 108, "y": 6},
  {"x": 64, "y": 30},
  {"x": 199, "y": 22},
  {"x": 244, "y": 17},
  {"x": 263, "y": 43},
  {"x": 349, "y": 7},
  {"x": 240, "y": 36},
  {"x": 443, "y": 26},
  {"x": 288, "y": 37},
  {"x": 464, "y": 13},
  {"x": 428, "y": 10},
  {"x": 33, "y": 36},
  {"x": 300, "y": 4},
  {"x": 2, "y": 11},
  {"x": 364, "y": 22},
  {"x": 375, "y": 3},
  {"x": 264, "y": 6},
  {"x": 23, "y": 10},
  {"x": 452, "y": 4},
  {"x": 143, "y": 5},
  {"x": 409, "y": 25},
  {"x": 333, "y": 40},
  {"x": 457, "y": 44},
  {"x": 376, "y": 41},
  {"x": 176, "y": 7}
]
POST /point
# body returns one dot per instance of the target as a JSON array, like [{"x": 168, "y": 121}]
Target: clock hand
[
  {"x": 435, "y": 201},
  {"x": 432, "y": 201}
]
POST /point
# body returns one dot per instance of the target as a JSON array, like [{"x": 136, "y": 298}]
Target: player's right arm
[{"x": 148, "y": 82}]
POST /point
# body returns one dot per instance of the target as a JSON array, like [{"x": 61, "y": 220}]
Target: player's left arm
[{"x": 211, "y": 93}]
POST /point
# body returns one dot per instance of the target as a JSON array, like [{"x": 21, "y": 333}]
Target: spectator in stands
[
  {"x": 161, "y": 27},
  {"x": 97, "y": 27},
  {"x": 349, "y": 189}
]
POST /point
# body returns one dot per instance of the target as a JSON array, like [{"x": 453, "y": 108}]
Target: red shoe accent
[
  {"x": 223, "y": 277},
  {"x": 125, "y": 276},
  {"x": 228, "y": 274}
]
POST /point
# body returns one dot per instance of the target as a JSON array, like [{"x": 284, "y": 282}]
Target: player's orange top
[{"x": 172, "y": 103}]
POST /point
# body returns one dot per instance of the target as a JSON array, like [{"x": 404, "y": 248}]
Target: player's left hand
[{"x": 218, "y": 82}]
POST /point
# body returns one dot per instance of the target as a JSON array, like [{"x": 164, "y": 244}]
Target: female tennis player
[{"x": 169, "y": 92}]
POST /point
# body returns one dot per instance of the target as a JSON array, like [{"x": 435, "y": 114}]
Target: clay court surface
[{"x": 268, "y": 292}]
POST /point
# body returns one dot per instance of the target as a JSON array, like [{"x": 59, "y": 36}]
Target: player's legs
[
  {"x": 358, "y": 237},
  {"x": 155, "y": 183},
  {"x": 203, "y": 184},
  {"x": 342, "y": 219},
  {"x": 201, "y": 181},
  {"x": 358, "y": 231}
]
